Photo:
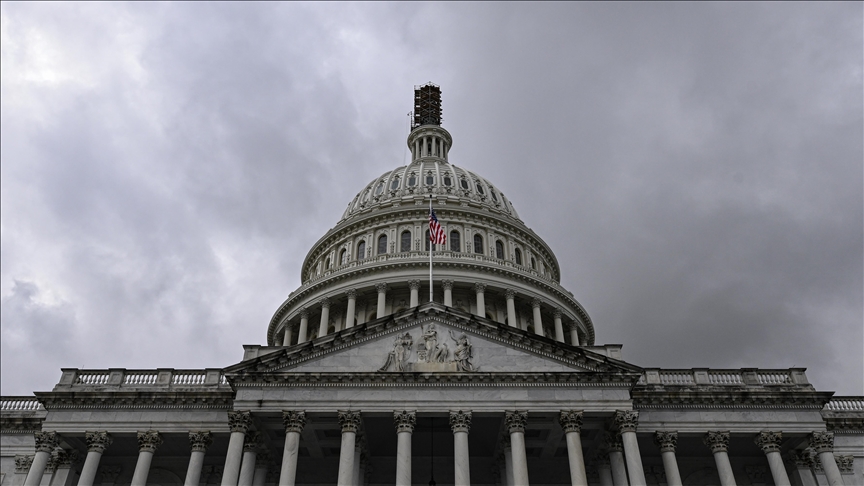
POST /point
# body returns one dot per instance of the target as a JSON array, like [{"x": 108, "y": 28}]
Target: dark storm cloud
[{"x": 696, "y": 167}]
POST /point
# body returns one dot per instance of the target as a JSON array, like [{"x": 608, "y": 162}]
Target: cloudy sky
[{"x": 697, "y": 168}]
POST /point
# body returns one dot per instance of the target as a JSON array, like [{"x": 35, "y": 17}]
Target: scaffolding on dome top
[{"x": 427, "y": 105}]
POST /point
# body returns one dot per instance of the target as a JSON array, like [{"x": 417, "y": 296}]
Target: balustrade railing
[
  {"x": 142, "y": 378},
  {"x": 20, "y": 404},
  {"x": 723, "y": 377},
  {"x": 92, "y": 378},
  {"x": 845, "y": 404}
]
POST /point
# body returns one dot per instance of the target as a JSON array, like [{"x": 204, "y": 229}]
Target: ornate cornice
[
  {"x": 138, "y": 400},
  {"x": 20, "y": 425},
  {"x": 654, "y": 397}
]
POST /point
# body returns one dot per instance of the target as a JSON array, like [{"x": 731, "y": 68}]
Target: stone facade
[{"x": 493, "y": 377}]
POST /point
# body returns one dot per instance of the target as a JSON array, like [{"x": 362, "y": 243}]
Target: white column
[
  {"x": 823, "y": 444},
  {"x": 405, "y": 421},
  {"x": 287, "y": 335},
  {"x": 538, "y": 320},
  {"x": 574, "y": 335},
  {"x": 303, "y": 333},
  {"x": 325, "y": 317},
  {"x": 448, "y": 292},
  {"x": 718, "y": 442},
  {"x": 294, "y": 422},
  {"x": 148, "y": 442},
  {"x": 351, "y": 310},
  {"x": 250, "y": 452},
  {"x": 508, "y": 461},
  {"x": 63, "y": 466},
  {"x": 512, "y": 320},
  {"x": 804, "y": 464},
  {"x": 382, "y": 299},
  {"x": 460, "y": 424},
  {"x": 350, "y": 422},
  {"x": 769, "y": 442},
  {"x": 515, "y": 423},
  {"x": 414, "y": 285},
  {"x": 604, "y": 470},
  {"x": 626, "y": 421},
  {"x": 559, "y": 327},
  {"x": 46, "y": 442},
  {"x": 261, "y": 466},
  {"x": 668, "y": 441},
  {"x": 238, "y": 423},
  {"x": 480, "y": 289},
  {"x": 358, "y": 459},
  {"x": 198, "y": 442},
  {"x": 616, "y": 458},
  {"x": 571, "y": 422},
  {"x": 97, "y": 442}
]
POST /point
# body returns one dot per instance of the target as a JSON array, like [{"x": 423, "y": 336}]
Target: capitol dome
[{"x": 375, "y": 261}]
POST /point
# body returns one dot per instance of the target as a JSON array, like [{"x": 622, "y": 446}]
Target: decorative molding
[
  {"x": 351, "y": 293},
  {"x": 414, "y": 284},
  {"x": 149, "y": 440},
  {"x": 660, "y": 397},
  {"x": 509, "y": 294},
  {"x": 239, "y": 421},
  {"x": 479, "y": 288},
  {"x": 571, "y": 420},
  {"x": 447, "y": 284},
  {"x": 349, "y": 421},
  {"x": 221, "y": 399},
  {"x": 768, "y": 441},
  {"x": 460, "y": 421},
  {"x": 381, "y": 287},
  {"x": 23, "y": 463},
  {"x": 405, "y": 420},
  {"x": 324, "y": 303},
  {"x": 515, "y": 421},
  {"x": 293, "y": 420},
  {"x": 46, "y": 441},
  {"x": 536, "y": 303},
  {"x": 666, "y": 441},
  {"x": 626, "y": 420},
  {"x": 20, "y": 425},
  {"x": 845, "y": 463},
  {"x": 199, "y": 441},
  {"x": 716, "y": 441},
  {"x": 822, "y": 441},
  {"x": 98, "y": 441}
]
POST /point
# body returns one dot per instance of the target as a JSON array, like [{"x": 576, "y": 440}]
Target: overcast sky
[{"x": 697, "y": 168}]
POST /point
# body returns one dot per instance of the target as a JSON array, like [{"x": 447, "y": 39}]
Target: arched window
[
  {"x": 395, "y": 184},
  {"x": 518, "y": 256},
  {"x": 379, "y": 189},
  {"x": 382, "y": 244},
  {"x": 464, "y": 183},
  {"x": 361, "y": 250},
  {"x": 327, "y": 264},
  {"x": 480, "y": 188},
  {"x": 492, "y": 193},
  {"x": 430, "y": 179},
  {"x": 447, "y": 180},
  {"x": 412, "y": 180},
  {"x": 455, "y": 241},
  {"x": 499, "y": 250},
  {"x": 405, "y": 244},
  {"x": 478, "y": 243},
  {"x": 533, "y": 264},
  {"x": 343, "y": 257}
]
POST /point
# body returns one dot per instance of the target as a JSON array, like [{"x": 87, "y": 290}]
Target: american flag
[{"x": 436, "y": 233}]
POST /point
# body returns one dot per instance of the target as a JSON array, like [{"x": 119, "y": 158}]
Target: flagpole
[{"x": 431, "y": 246}]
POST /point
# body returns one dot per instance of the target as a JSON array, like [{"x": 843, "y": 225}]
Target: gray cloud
[{"x": 696, "y": 167}]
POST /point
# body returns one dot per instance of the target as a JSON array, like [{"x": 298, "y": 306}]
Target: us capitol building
[{"x": 495, "y": 380}]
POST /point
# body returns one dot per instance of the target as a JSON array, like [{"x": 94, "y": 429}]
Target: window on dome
[
  {"x": 494, "y": 196},
  {"x": 533, "y": 264},
  {"x": 478, "y": 243},
  {"x": 464, "y": 183},
  {"x": 395, "y": 184},
  {"x": 448, "y": 181},
  {"x": 455, "y": 241},
  {"x": 480, "y": 188},
  {"x": 499, "y": 250},
  {"x": 430, "y": 179},
  {"x": 343, "y": 257},
  {"x": 327, "y": 264},
  {"x": 518, "y": 253},
  {"x": 379, "y": 189},
  {"x": 382, "y": 244},
  {"x": 405, "y": 244},
  {"x": 412, "y": 180},
  {"x": 361, "y": 250}
]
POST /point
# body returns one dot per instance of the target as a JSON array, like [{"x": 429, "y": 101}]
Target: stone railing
[
  {"x": 166, "y": 377},
  {"x": 20, "y": 404},
  {"x": 724, "y": 377},
  {"x": 845, "y": 404}
]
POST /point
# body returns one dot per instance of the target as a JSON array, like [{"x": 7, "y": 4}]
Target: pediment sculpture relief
[{"x": 432, "y": 355}]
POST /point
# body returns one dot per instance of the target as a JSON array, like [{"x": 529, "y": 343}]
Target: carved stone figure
[
  {"x": 401, "y": 351},
  {"x": 462, "y": 354},
  {"x": 431, "y": 351}
]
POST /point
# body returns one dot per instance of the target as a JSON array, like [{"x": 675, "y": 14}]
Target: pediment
[{"x": 431, "y": 339}]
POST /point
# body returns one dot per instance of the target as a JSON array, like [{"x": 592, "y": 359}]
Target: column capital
[
  {"x": 262, "y": 458},
  {"x": 717, "y": 441},
  {"x": 768, "y": 441},
  {"x": 97, "y": 441},
  {"x": 381, "y": 287},
  {"x": 626, "y": 420},
  {"x": 149, "y": 440},
  {"x": 845, "y": 463},
  {"x": 667, "y": 441},
  {"x": 510, "y": 294},
  {"x": 200, "y": 440},
  {"x": 460, "y": 421},
  {"x": 324, "y": 303},
  {"x": 447, "y": 284},
  {"x": 414, "y": 284},
  {"x": 251, "y": 441},
  {"x": 293, "y": 420},
  {"x": 304, "y": 313},
  {"x": 557, "y": 313},
  {"x": 66, "y": 458},
  {"x": 479, "y": 287},
  {"x": 47, "y": 441},
  {"x": 612, "y": 442},
  {"x": 405, "y": 420},
  {"x": 23, "y": 463},
  {"x": 351, "y": 293},
  {"x": 802, "y": 458},
  {"x": 600, "y": 460},
  {"x": 535, "y": 303},
  {"x": 571, "y": 420},
  {"x": 822, "y": 441},
  {"x": 515, "y": 420},
  {"x": 349, "y": 421},
  {"x": 239, "y": 421}
]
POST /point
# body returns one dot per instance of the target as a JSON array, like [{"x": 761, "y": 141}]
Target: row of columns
[{"x": 414, "y": 286}]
